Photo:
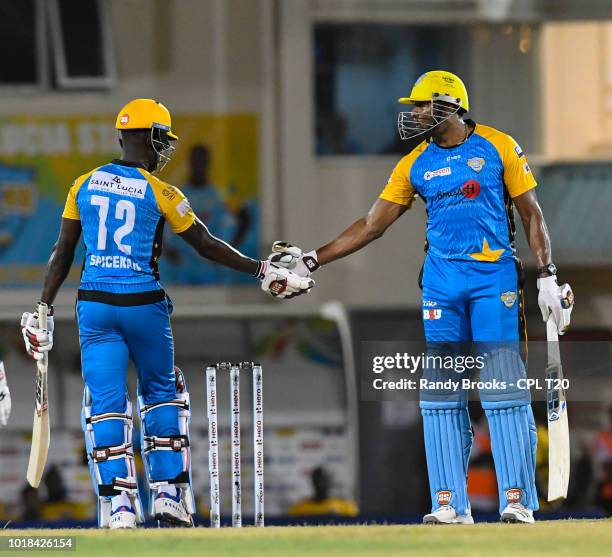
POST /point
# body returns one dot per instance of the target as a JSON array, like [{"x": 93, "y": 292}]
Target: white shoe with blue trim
[
  {"x": 171, "y": 509},
  {"x": 447, "y": 515}
]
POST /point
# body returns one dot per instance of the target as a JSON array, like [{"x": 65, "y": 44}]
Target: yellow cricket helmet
[
  {"x": 439, "y": 85},
  {"x": 145, "y": 114}
]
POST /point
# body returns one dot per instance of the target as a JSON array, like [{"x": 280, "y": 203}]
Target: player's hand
[
  {"x": 293, "y": 258},
  {"x": 37, "y": 341},
  {"x": 5, "y": 398},
  {"x": 283, "y": 283},
  {"x": 557, "y": 301}
]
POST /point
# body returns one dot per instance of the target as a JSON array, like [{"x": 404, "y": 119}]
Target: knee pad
[
  {"x": 513, "y": 442},
  {"x": 440, "y": 385},
  {"x": 97, "y": 455},
  {"x": 503, "y": 368},
  {"x": 448, "y": 442},
  {"x": 151, "y": 443}
]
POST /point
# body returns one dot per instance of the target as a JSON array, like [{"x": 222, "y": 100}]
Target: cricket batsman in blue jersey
[
  {"x": 471, "y": 177},
  {"x": 123, "y": 313}
]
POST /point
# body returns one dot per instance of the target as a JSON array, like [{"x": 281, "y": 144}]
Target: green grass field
[{"x": 575, "y": 538}]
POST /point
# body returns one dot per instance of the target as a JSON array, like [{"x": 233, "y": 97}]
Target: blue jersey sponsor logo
[
  {"x": 476, "y": 163},
  {"x": 463, "y": 212}
]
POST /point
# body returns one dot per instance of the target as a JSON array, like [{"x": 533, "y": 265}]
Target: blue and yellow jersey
[
  {"x": 122, "y": 209},
  {"x": 468, "y": 191}
]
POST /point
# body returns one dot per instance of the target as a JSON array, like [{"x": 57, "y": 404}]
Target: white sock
[
  {"x": 169, "y": 489},
  {"x": 120, "y": 501}
]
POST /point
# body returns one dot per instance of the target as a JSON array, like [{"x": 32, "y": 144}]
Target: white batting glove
[
  {"x": 557, "y": 301},
  {"x": 5, "y": 397},
  {"x": 293, "y": 258},
  {"x": 37, "y": 341},
  {"x": 283, "y": 283}
]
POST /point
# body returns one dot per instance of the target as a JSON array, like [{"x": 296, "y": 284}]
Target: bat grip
[
  {"x": 279, "y": 246},
  {"x": 43, "y": 311},
  {"x": 552, "y": 335}
]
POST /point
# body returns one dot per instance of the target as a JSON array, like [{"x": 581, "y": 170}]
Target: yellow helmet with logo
[
  {"x": 145, "y": 114},
  {"x": 439, "y": 85}
]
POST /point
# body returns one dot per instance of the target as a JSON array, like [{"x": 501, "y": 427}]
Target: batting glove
[
  {"x": 293, "y": 258},
  {"x": 37, "y": 341},
  {"x": 557, "y": 301},
  {"x": 282, "y": 283}
]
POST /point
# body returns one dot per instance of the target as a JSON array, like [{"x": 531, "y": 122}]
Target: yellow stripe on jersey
[
  {"x": 518, "y": 177},
  {"x": 71, "y": 209},
  {"x": 399, "y": 189},
  {"x": 172, "y": 203}
]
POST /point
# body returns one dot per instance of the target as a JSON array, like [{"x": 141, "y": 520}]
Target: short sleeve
[
  {"x": 398, "y": 189},
  {"x": 517, "y": 173},
  {"x": 175, "y": 207},
  {"x": 71, "y": 209}
]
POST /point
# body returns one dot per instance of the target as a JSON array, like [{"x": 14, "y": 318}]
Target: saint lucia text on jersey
[{"x": 122, "y": 185}]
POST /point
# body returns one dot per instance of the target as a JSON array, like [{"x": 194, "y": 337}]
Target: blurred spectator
[
  {"x": 482, "y": 482},
  {"x": 227, "y": 219},
  {"x": 540, "y": 414},
  {"x": 30, "y": 504},
  {"x": 57, "y": 505},
  {"x": 321, "y": 502},
  {"x": 333, "y": 138},
  {"x": 602, "y": 460},
  {"x": 579, "y": 495},
  {"x": 581, "y": 473},
  {"x": 56, "y": 491}
]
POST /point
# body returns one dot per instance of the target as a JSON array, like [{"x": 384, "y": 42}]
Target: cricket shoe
[
  {"x": 447, "y": 515},
  {"x": 516, "y": 513},
  {"x": 171, "y": 509},
  {"x": 122, "y": 517}
]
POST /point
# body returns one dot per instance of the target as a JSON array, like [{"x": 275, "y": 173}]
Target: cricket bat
[
  {"x": 41, "y": 433},
  {"x": 558, "y": 428}
]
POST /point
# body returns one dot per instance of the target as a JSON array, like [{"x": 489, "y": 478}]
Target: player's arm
[
  {"x": 61, "y": 259},
  {"x": 39, "y": 340},
  {"x": 199, "y": 237},
  {"x": 178, "y": 213},
  {"x": 553, "y": 299},
  {"x": 520, "y": 184},
  {"x": 535, "y": 227},
  {"x": 277, "y": 281},
  {"x": 363, "y": 231},
  {"x": 395, "y": 199}
]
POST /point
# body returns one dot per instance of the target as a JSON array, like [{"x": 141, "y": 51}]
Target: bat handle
[
  {"x": 552, "y": 335},
  {"x": 279, "y": 246},
  {"x": 43, "y": 311}
]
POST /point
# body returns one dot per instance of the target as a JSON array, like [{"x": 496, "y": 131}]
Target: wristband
[
  {"x": 310, "y": 260},
  {"x": 261, "y": 269},
  {"x": 547, "y": 270}
]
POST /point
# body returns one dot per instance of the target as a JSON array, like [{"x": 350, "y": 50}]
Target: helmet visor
[
  {"x": 161, "y": 139},
  {"x": 414, "y": 123}
]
